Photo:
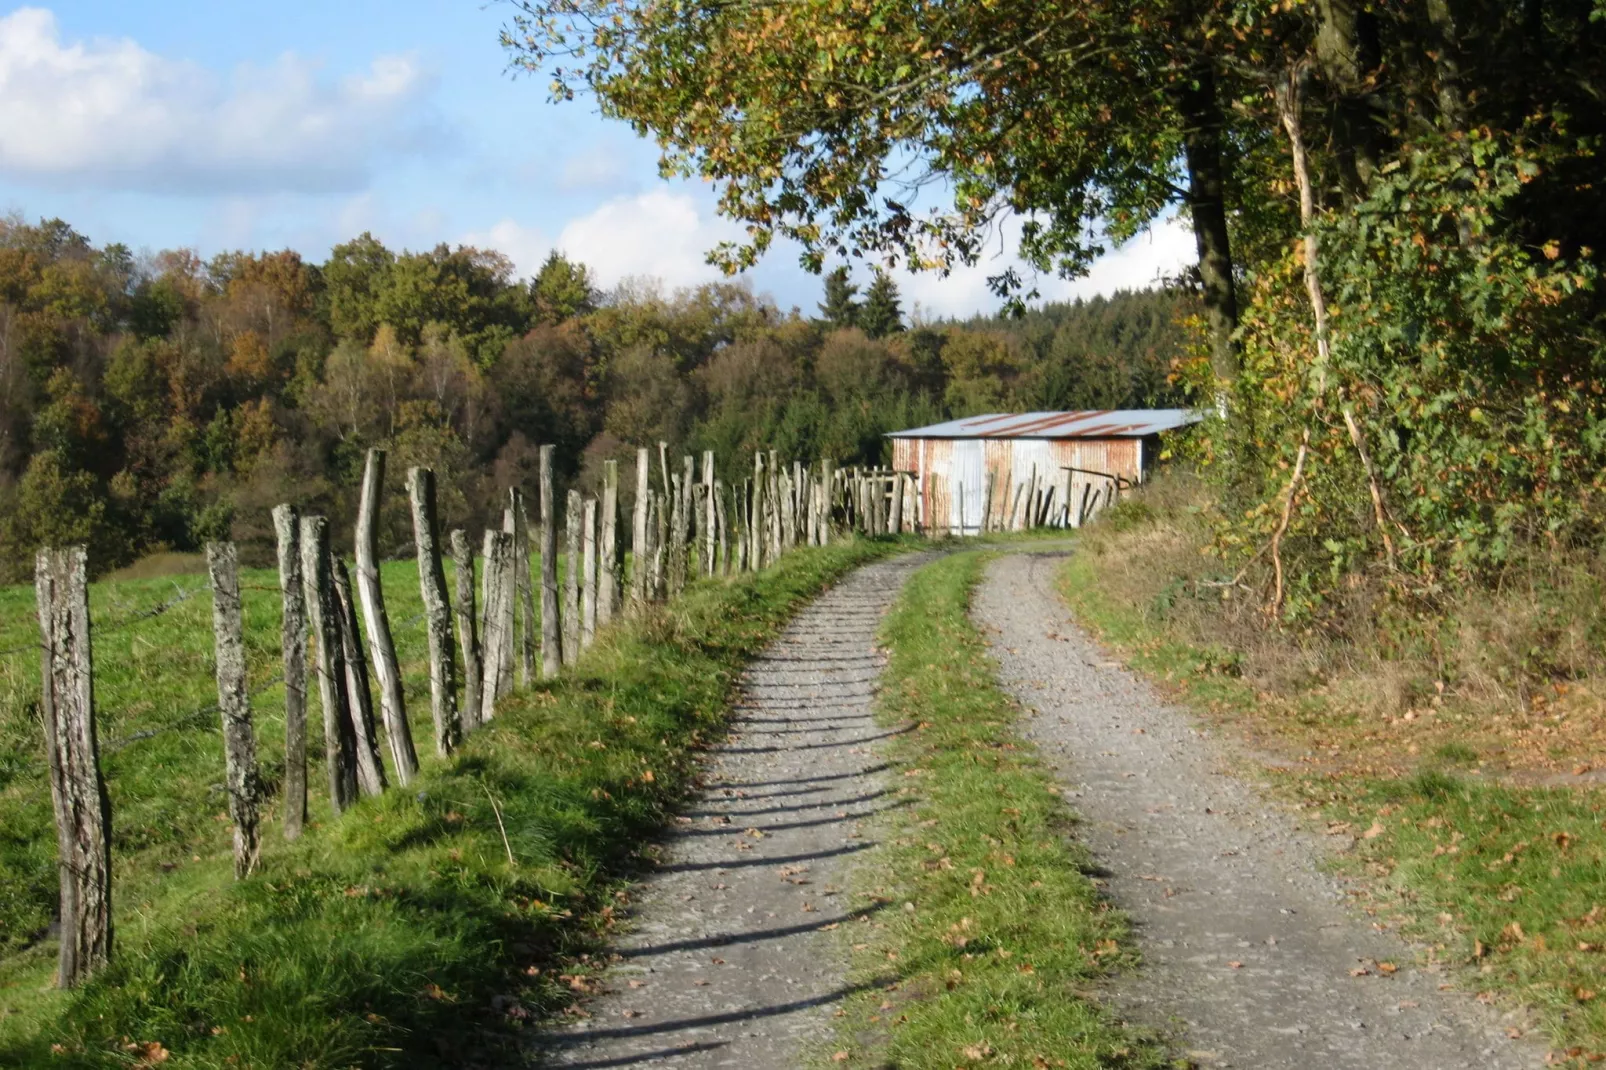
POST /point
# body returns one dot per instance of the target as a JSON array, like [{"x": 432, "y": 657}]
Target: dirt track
[
  {"x": 1251, "y": 960},
  {"x": 732, "y": 959}
]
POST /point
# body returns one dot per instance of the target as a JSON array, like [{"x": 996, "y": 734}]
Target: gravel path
[
  {"x": 730, "y": 960},
  {"x": 1250, "y": 958}
]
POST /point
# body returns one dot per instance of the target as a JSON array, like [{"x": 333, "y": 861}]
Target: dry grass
[{"x": 1497, "y": 679}]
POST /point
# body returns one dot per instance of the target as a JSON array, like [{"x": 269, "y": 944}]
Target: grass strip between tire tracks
[
  {"x": 402, "y": 934},
  {"x": 997, "y": 932}
]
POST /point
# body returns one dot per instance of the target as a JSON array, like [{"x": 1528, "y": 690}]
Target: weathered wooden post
[
  {"x": 688, "y": 514},
  {"x": 588, "y": 588},
  {"x": 640, "y": 552},
  {"x": 496, "y": 592},
  {"x": 525, "y": 609},
  {"x": 392, "y": 701},
  {"x": 340, "y": 743},
  {"x": 677, "y": 537},
  {"x": 293, "y": 641},
  {"x": 739, "y": 502},
  {"x": 609, "y": 576},
  {"x": 755, "y": 556},
  {"x": 359, "y": 698},
  {"x": 468, "y": 630},
  {"x": 437, "y": 611},
  {"x": 551, "y": 636},
  {"x": 788, "y": 517},
  {"x": 722, "y": 561},
  {"x": 240, "y": 778},
  {"x": 660, "y": 543},
  {"x": 895, "y": 524},
  {"x": 77, "y": 789},
  {"x": 710, "y": 516},
  {"x": 571, "y": 580},
  {"x": 827, "y": 502}
]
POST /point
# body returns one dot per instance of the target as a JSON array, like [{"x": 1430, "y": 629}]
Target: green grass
[
  {"x": 402, "y": 934},
  {"x": 1506, "y": 882},
  {"x": 997, "y": 932}
]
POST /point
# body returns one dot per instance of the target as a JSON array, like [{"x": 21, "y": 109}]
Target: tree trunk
[
  {"x": 323, "y": 611},
  {"x": 1202, "y": 134},
  {"x": 468, "y": 630},
  {"x": 77, "y": 788},
  {"x": 551, "y": 635},
  {"x": 392, "y": 701},
  {"x": 239, "y": 739},
  {"x": 293, "y": 641},
  {"x": 437, "y": 611},
  {"x": 359, "y": 697}
]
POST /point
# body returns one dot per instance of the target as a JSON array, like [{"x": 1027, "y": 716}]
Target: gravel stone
[
  {"x": 1251, "y": 957},
  {"x": 733, "y": 955}
]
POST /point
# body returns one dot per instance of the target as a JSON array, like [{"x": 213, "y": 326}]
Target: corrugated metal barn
[{"x": 1010, "y": 471}]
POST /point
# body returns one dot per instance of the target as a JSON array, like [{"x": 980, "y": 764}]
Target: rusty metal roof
[{"x": 1097, "y": 423}]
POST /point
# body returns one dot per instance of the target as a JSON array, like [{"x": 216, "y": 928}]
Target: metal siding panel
[{"x": 968, "y": 483}]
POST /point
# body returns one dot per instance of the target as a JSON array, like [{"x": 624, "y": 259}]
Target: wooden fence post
[
  {"x": 571, "y": 580},
  {"x": 710, "y": 516},
  {"x": 239, "y": 740},
  {"x": 551, "y": 636},
  {"x": 437, "y": 611},
  {"x": 468, "y": 629},
  {"x": 722, "y": 561},
  {"x": 497, "y": 595},
  {"x": 677, "y": 537},
  {"x": 896, "y": 522},
  {"x": 525, "y": 609},
  {"x": 359, "y": 698},
  {"x": 588, "y": 576},
  {"x": 340, "y": 744},
  {"x": 827, "y": 500},
  {"x": 660, "y": 543},
  {"x": 392, "y": 701},
  {"x": 640, "y": 554},
  {"x": 293, "y": 640},
  {"x": 608, "y": 577},
  {"x": 77, "y": 789}
]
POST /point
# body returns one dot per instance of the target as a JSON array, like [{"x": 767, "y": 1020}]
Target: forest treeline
[{"x": 150, "y": 403}]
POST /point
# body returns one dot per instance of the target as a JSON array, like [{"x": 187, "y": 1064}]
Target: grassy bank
[
  {"x": 429, "y": 926},
  {"x": 997, "y": 929},
  {"x": 1450, "y": 754}
]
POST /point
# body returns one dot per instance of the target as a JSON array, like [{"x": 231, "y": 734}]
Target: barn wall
[{"x": 1008, "y": 464}]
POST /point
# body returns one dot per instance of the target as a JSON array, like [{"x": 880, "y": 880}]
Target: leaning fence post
[
  {"x": 437, "y": 610},
  {"x": 571, "y": 580},
  {"x": 524, "y": 610},
  {"x": 77, "y": 789},
  {"x": 340, "y": 744},
  {"x": 468, "y": 629},
  {"x": 392, "y": 701},
  {"x": 551, "y": 637},
  {"x": 359, "y": 698},
  {"x": 239, "y": 740},
  {"x": 588, "y": 586},
  {"x": 608, "y": 574},
  {"x": 293, "y": 639}
]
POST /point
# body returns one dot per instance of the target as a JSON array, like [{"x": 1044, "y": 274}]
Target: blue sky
[{"x": 165, "y": 123}]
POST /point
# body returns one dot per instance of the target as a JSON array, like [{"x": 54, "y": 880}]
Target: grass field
[
  {"x": 1474, "y": 819},
  {"x": 424, "y": 928},
  {"x": 998, "y": 931}
]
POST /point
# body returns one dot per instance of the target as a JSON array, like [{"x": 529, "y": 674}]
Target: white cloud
[
  {"x": 110, "y": 114},
  {"x": 596, "y": 167},
  {"x": 659, "y": 234},
  {"x": 1164, "y": 250},
  {"x": 527, "y": 247}
]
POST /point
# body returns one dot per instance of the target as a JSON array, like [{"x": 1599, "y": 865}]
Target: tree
[
  {"x": 839, "y": 309},
  {"x": 355, "y": 274},
  {"x": 562, "y": 290},
  {"x": 881, "y": 314}
]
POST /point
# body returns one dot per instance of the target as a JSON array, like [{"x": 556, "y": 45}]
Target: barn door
[{"x": 968, "y": 489}]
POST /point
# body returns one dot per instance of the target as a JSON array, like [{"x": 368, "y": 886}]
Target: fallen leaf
[{"x": 1374, "y": 832}]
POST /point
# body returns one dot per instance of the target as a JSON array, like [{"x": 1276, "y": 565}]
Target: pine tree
[
  {"x": 881, "y": 313},
  {"x": 562, "y": 290},
  {"x": 839, "y": 308}
]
